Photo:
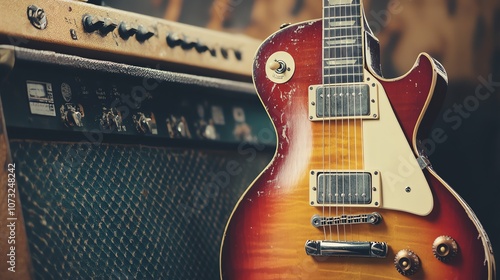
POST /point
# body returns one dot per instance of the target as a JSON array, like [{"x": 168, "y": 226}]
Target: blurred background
[{"x": 464, "y": 35}]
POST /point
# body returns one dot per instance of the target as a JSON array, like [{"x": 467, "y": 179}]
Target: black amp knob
[
  {"x": 143, "y": 34},
  {"x": 174, "y": 40},
  {"x": 92, "y": 23},
  {"x": 107, "y": 27},
  {"x": 125, "y": 30}
]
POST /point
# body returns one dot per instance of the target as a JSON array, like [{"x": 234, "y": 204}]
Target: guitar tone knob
[
  {"x": 444, "y": 248},
  {"x": 406, "y": 262}
]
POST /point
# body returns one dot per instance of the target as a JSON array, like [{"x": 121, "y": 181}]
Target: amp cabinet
[{"x": 121, "y": 172}]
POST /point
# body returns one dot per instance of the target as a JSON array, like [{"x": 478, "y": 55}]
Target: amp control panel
[
  {"x": 78, "y": 28},
  {"x": 67, "y": 96}
]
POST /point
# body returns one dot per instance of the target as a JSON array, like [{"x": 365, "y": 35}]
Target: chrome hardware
[
  {"x": 145, "y": 125},
  {"x": 111, "y": 120},
  {"x": 373, "y": 218},
  {"x": 280, "y": 67},
  {"x": 37, "y": 17},
  {"x": 72, "y": 115},
  {"x": 346, "y": 249},
  {"x": 206, "y": 130},
  {"x": 353, "y": 101},
  {"x": 178, "y": 127},
  {"x": 354, "y": 188},
  {"x": 423, "y": 162},
  {"x": 406, "y": 262},
  {"x": 445, "y": 248}
]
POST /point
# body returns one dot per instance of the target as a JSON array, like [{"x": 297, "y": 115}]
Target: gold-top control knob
[
  {"x": 406, "y": 262},
  {"x": 444, "y": 248}
]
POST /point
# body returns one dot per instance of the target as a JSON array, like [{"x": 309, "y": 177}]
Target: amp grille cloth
[{"x": 126, "y": 212}]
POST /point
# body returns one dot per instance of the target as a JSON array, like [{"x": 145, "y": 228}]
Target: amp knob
[
  {"x": 444, "y": 248},
  {"x": 143, "y": 34},
  {"x": 126, "y": 31},
  {"x": 91, "y": 23},
  {"x": 72, "y": 115},
  {"x": 145, "y": 125},
  {"x": 406, "y": 262},
  {"x": 173, "y": 40},
  {"x": 107, "y": 27}
]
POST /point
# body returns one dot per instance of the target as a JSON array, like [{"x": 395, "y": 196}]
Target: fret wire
[
  {"x": 343, "y": 27},
  {"x": 343, "y": 68},
  {"x": 342, "y": 17},
  {"x": 343, "y": 46},
  {"x": 344, "y": 37},
  {"x": 343, "y": 58},
  {"x": 342, "y": 5}
]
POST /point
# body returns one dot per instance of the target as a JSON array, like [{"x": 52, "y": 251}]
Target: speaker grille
[{"x": 128, "y": 212}]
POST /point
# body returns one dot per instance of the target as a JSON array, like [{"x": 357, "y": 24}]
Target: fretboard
[{"x": 342, "y": 42}]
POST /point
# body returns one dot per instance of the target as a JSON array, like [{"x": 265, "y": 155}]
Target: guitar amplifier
[
  {"x": 105, "y": 33},
  {"x": 123, "y": 172}
]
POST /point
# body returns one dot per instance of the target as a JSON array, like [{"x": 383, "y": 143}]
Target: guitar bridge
[
  {"x": 346, "y": 249},
  {"x": 373, "y": 218}
]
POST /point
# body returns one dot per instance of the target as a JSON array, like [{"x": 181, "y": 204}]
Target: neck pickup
[{"x": 351, "y": 101}]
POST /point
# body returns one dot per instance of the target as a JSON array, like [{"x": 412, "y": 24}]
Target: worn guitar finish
[{"x": 266, "y": 235}]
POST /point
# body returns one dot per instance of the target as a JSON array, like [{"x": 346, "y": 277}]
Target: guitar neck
[{"x": 343, "y": 56}]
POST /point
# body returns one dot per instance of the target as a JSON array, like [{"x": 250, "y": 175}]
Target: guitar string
[
  {"x": 362, "y": 22},
  {"x": 352, "y": 193},
  {"x": 330, "y": 127},
  {"x": 336, "y": 124},
  {"x": 333, "y": 50},
  {"x": 348, "y": 137},
  {"x": 368, "y": 104},
  {"x": 328, "y": 101},
  {"x": 324, "y": 24}
]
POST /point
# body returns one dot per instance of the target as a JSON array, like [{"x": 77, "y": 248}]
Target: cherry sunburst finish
[{"x": 314, "y": 78}]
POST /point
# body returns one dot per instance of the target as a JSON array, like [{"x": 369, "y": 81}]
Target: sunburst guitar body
[{"x": 350, "y": 193}]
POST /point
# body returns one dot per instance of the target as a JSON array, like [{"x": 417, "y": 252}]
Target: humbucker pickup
[
  {"x": 345, "y": 188},
  {"x": 349, "y": 101}
]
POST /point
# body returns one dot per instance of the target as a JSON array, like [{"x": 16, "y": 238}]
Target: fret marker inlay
[
  {"x": 337, "y": 62},
  {"x": 341, "y": 42},
  {"x": 339, "y": 2},
  {"x": 342, "y": 23}
]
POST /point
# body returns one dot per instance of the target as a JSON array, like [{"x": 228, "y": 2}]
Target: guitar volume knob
[
  {"x": 444, "y": 248},
  {"x": 406, "y": 262}
]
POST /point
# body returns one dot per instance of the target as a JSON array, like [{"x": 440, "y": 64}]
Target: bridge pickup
[
  {"x": 373, "y": 218},
  {"x": 346, "y": 249},
  {"x": 345, "y": 188},
  {"x": 349, "y": 101}
]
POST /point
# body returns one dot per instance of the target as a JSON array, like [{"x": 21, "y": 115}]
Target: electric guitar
[{"x": 350, "y": 192}]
